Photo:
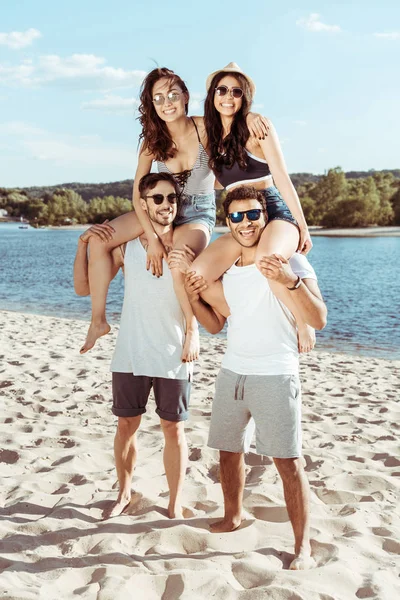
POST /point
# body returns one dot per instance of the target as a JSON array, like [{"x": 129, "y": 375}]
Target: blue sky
[{"x": 327, "y": 76}]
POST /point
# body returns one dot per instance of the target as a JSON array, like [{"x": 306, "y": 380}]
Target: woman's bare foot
[
  {"x": 305, "y": 338},
  {"x": 302, "y": 561},
  {"x": 96, "y": 330},
  {"x": 226, "y": 525},
  {"x": 116, "y": 508},
  {"x": 191, "y": 347}
]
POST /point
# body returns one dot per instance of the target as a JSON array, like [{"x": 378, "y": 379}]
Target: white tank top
[
  {"x": 152, "y": 327},
  {"x": 262, "y": 335}
]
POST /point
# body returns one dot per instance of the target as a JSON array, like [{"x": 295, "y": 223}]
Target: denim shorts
[
  {"x": 197, "y": 209},
  {"x": 277, "y": 208}
]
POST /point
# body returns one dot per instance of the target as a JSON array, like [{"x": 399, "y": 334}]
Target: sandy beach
[{"x": 57, "y": 468}]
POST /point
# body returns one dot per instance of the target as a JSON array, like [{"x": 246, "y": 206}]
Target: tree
[{"x": 329, "y": 192}]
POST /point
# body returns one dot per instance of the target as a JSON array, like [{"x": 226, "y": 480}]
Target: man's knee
[
  {"x": 230, "y": 457},
  {"x": 174, "y": 431},
  {"x": 289, "y": 468},
  {"x": 127, "y": 426}
]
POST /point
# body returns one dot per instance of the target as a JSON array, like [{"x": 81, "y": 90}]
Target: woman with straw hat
[{"x": 238, "y": 159}]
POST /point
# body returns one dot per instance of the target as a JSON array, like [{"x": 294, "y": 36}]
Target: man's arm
[
  {"x": 307, "y": 295},
  {"x": 81, "y": 279},
  {"x": 208, "y": 315}
]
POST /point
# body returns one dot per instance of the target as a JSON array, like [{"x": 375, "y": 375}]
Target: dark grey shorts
[{"x": 131, "y": 392}]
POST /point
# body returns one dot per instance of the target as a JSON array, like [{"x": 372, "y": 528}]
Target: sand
[{"x": 56, "y": 463}]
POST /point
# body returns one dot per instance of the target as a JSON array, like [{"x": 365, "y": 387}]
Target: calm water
[{"x": 357, "y": 278}]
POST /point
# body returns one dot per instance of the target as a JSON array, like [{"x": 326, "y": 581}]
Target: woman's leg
[
  {"x": 196, "y": 236},
  {"x": 217, "y": 258},
  {"x": 282, "y": 237},
  {"x": 127, "y": 227}
]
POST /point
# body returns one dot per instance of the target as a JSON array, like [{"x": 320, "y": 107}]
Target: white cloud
[
  {"x": 196, "y": 101},
  {"x": 19, "y": 39},
  {"x": 113, "y": 104},
  {"x": 65, "y": 150},
  {"x": 19, "y": 128},
  {"x": 394, "y": 35},
  {"x": 78, "y": 71},
  {"x": 313, "y": 23}
]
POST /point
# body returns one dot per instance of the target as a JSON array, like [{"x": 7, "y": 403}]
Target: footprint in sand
[
  {"x": 10, "y": 457},
  {"x": 6, "y": 383}
]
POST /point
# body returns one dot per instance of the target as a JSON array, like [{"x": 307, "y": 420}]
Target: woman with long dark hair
[
  {"x": 177, "y": 144},
  {"x": 238, "y": 158}
]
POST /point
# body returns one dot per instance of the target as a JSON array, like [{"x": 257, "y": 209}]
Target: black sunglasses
[
  {"x": 252, "y": 215},
  {"x": 159, "y": 198},
  {"x": 222, "y": 90}
]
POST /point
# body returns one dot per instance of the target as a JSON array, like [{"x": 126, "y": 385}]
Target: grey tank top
[{"x": 199, "y": 180}]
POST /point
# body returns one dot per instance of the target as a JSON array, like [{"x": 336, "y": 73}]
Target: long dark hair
[
  {"x": 231, "y": 149},
  {"x": 155, "y": 135}
]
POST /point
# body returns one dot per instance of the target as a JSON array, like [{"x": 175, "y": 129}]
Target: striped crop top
[
  {"x": 199, "y": 180},
  {"x": 257, "y": 170}
]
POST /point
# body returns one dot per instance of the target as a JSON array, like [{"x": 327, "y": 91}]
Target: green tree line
[
  {"x": 330, "y": 200},
  {"x": 63, "y": 207}
]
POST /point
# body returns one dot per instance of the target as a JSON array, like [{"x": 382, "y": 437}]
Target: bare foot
[
  {"x": 116, "y": 508},
  {"x": 305, "y": 338},
  {"x": 175, "y": 512},
  {"x": 191, "y": 348},
  {"x": 226, "y": 525},
  {"x": 302, "y": 561},
  {"x": 95, "y": 331}
]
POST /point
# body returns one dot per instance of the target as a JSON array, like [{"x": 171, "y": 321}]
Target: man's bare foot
[
  {"x": 226, "y": 525},
  {"x": 116, "y": 508},
  {"x": 305, "y": 338},
  {"x": 175, "y": 511},
  {"x": 191, "y": 347},
  {"x": 95, "y": 331},
  {"x": 302, "y": 561}
]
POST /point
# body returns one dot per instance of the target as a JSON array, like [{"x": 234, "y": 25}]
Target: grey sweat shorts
[
  {"x": 131, "y": 392},
  {"x": 268, "y": 404}
]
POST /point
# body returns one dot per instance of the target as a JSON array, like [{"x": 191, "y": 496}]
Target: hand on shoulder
[{"x": 259, "y": 126}]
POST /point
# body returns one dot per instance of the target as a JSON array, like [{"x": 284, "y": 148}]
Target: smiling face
[
  {"x": 162, "y": 214},
  {"x": 228, "y": 105},
  {"x": 246, "y": 233},
  {"x": 175, "y": 100}
]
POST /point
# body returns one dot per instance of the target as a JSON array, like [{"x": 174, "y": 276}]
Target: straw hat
[{"x": 232, "y": 67}]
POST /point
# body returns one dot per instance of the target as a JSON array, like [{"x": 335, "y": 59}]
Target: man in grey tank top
[
  {"x": 148, "y": 348},
  {"x": 258, "y": 385}
]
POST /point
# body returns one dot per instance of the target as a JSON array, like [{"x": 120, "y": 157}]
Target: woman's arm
[
  {"x": 272, "y": 151},
  {"x": 155, "y": 251}
]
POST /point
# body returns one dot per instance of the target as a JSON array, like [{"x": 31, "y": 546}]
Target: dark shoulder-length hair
[
  {"x": 155, "y": 135},
  {"x": 226, "y": 151}
]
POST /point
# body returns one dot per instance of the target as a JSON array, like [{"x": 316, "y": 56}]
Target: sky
[{"x": 327, "y": 76}]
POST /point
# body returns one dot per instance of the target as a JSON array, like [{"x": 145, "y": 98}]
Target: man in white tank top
[
  {"x": 148, "y": 348},
  {"x": 258, "y": 385}
]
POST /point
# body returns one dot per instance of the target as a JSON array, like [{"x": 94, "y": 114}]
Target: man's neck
[
  {"x": 247, "y": 257},
  {"x": 164, "y": 233}
]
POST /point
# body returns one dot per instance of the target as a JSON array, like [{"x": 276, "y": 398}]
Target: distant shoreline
[{"x": 315, "y": 230}]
